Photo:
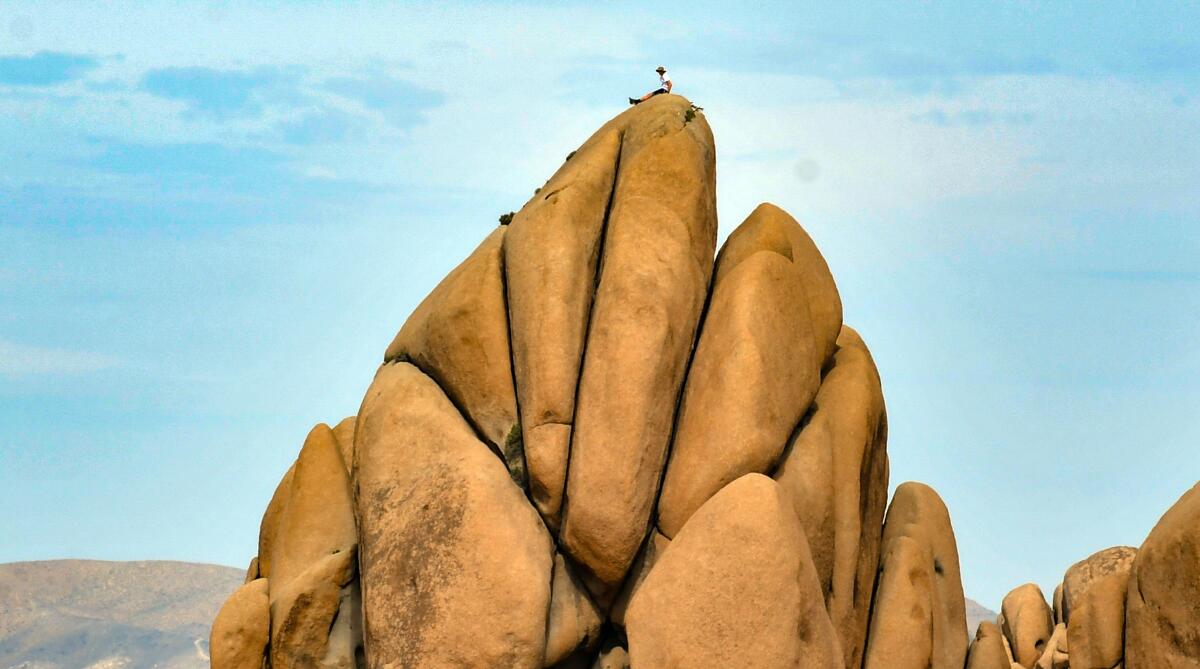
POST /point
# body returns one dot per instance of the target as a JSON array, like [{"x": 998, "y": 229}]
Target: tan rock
[
  {"x": 311, "y": 616},
  {"x": 344, "y": 433},
  {"x": 987, "y": 650},
  {"x": 252, "y": 570},
  {"x": 313, "y": 559},
  {"x": 456, "y": 565},
  {"x": 1028, "y": 623},
  {"x": 1056, "y": 656},
  {"x": 551, "y": 254},
  {"x": 318, "y": 517},
  {"x": 835, "y": 471},
  {"x": 1162, "y": 613},
  {"x": 269, "y": 527},
  {"x": 657, "y": 260},
  {"x": 756, "y": 370},
  {"x": 771, "y": 228},
  {"x": 242, "y": 629},
  {"x": 918, "y": 616},
  {"x": 735, "y": 588},
  {"x": 1093, "y": 606},
  {"x": 653, "y": 547},
  {"x": 575, "y": 621},
  {"x": 1057, "y": 604},
  {"x": 458, "y": 336},
  {"x": 612, "y": 656}
]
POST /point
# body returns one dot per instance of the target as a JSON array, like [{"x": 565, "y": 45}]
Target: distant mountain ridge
[
  {"x": 977, "y": 613},
  {"x": 93, "y": 614}
]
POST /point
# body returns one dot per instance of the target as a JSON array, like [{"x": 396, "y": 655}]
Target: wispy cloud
[
  {"x": 22, "y": 360},
  {"x": 222, "y": 94},
  {"x": 401, "y": 103},
  {"x": 45, "y": 68}
]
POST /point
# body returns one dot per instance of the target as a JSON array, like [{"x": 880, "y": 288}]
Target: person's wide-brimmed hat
[{"x": 661, "y": 69}]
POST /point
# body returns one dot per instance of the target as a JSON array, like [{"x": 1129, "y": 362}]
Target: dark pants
[{"x": 658, "y": 92}]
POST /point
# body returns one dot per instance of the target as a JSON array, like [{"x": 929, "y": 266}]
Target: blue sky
[{"x": 214, "y": 217}]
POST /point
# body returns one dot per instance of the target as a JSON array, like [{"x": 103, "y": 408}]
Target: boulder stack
[{"x": 600, "y": 443}]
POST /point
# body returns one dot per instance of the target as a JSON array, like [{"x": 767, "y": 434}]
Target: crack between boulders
[
  {"x": 587, "y": 330},
  {"x": 512, "y": 374},
  {"x": 697, "y": 332}
]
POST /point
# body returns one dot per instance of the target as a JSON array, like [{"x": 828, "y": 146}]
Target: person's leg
[{"x": 652, "y": 94}]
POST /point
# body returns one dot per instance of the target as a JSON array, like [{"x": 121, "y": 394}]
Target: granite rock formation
[{"x": 600, "y": 443}]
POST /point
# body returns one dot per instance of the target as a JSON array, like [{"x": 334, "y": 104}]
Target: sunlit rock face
[{"x": 601, "y": 440}]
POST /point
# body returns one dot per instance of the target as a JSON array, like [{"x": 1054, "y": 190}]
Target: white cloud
[{"x": 21, "y": 360}]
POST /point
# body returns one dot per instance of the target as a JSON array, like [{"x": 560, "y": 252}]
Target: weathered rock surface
[
  {"x": 1056, "y": 655},
  {"x": 1093, "y": 606},
  {"x": 458, "y": 336},
  {"x": 653, "y": 547},
  {"x": 1027, "y": 623},
  {"x": 269, "y": 526},
  {"x": 756, "y": 370},
  {"x": 343, "y": 432},
  {"x": 918, "y": 615},
  {"x": 242, "y": 629},
  {"x": 575, "y": 620},
  {"x": 313, "y": 564},
  {"x": 835, "y": 471},
  {"x": 987, "y": 650},
  {"x": 1162, "y": 614},
  {"x": 657, "y": 261},
  {"x": 771, "y": 228},
  {"x": 456, "y": 563},
  {"x": 312, "y": 617},
  {"x": 551, "y": 253},
  {"x": 736, "y": 587}
]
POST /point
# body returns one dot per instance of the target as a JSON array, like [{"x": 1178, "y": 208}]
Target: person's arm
[{"x": 669, "y": 84}]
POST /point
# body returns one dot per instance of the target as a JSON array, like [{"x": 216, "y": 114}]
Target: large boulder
[
  {"x": 655, "y": 269},
  {"x": 242, "y": 629},
  {"x": 835, "y": 471},
  {"x": 1093, "y": 607},
  {"x": 1027, "y": 623},
  {"x": 456, "y": 565},
  {"x": 313, "y": 563},
  {"x": 1162, "y": 611},
  {"x": 458, "y": 336},
  {"x": 918, "y": 616},
  {"x": 551, "y": 255},
  {"x": 735, "y": 588},
  {"x": 756, "y": 370}
]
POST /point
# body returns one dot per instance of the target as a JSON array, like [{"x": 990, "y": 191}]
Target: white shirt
[{"x": 663, "y": 79}]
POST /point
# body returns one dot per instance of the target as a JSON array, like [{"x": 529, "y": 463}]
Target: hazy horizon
[{"x": 215, "y": 218}]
